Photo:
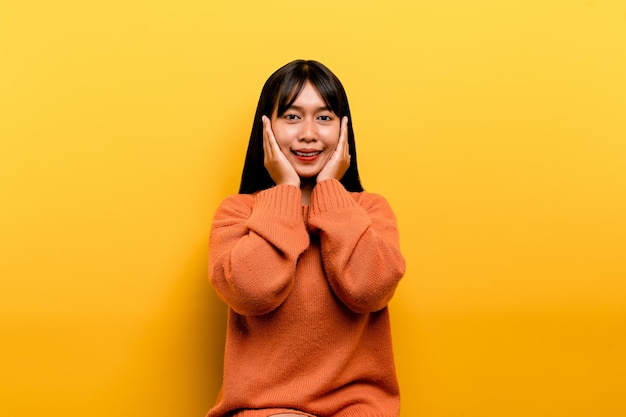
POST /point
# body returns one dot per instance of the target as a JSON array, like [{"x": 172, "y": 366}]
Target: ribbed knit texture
[{"x": 307, "y": 290}]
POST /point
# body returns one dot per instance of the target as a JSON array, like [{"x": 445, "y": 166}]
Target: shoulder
[
  {"x": 236, "y": 203},
  {"x": 366, "y": 199},
  {"x": 238, "y": 200},
  {"x": 375, "y": 205}
]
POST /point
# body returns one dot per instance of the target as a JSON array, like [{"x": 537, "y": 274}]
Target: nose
[{"x": 308, "y": 132}]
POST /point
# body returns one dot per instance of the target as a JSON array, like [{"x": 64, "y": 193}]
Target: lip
[{"x": 306, "y": 155}]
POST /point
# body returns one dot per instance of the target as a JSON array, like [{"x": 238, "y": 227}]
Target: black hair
[{"x": 279, "y": 92}]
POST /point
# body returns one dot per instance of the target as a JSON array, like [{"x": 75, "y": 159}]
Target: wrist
[
  {"x": 321, "y": 178},
  {"x": 289, "y": 182}
]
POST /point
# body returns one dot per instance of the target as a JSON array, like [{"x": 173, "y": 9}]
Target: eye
[
  {"x": 291, "y": 116},
  {"x": 325, "y": 118}
]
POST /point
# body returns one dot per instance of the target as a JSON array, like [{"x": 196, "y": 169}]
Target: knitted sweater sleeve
[
  {"x": 360, "y": 245},
  {"x": 254, "y": 245}
]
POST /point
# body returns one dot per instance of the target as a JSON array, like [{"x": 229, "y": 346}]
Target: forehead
[
  {"x": 309, "y": 96},
  {"x": 301, "y": 93}
]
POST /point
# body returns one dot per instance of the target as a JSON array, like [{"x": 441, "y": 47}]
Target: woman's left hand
[{"x": 339, "y": 162}]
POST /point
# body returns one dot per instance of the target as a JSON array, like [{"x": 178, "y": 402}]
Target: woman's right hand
[{"x": 274, "y": 160}]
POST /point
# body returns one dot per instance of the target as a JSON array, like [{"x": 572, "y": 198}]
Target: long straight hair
[{"x": 279, "y": 92}]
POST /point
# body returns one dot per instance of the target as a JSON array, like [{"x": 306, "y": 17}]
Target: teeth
[{"x": 307, "y": 153}]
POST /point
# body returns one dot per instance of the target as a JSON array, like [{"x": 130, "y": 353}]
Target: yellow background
[{"x": 496, "y": 129}]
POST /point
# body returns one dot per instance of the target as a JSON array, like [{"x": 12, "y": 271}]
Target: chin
[
  {"x": 307, "y": 174},
  {"x": 307, "y": 177}
]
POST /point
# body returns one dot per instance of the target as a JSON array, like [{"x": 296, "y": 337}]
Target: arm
[
  {"x": 254, "y": 246},
  {"x": 360, "y": 245}
]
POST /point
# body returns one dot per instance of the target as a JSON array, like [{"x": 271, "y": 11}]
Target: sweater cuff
[
  {"x": 283, "y": 200},
  {"x": 330, "y": 194}
]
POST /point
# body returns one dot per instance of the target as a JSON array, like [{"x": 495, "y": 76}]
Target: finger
[
  {"x": 343, "y": 137},
  {"x": 270, "y": 135},
  {"x": 269, "y": 142},
  {"x": 344, "y": 125},
  {"x": 267, "y": 148}
]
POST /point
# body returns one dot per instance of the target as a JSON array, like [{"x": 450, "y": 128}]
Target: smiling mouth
[{"x": 306, "y": 154}]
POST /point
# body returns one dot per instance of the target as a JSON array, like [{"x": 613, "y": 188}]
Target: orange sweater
[{"x": 307, "y": 290}]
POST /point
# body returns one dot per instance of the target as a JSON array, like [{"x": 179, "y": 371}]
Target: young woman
[{"x": 307, "y": 262}]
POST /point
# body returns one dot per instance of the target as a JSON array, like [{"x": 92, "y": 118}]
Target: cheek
[
  {"x": 283, "y": 136},
  {"x": 331, "y": 138},
  {"x": 284, "y": 143}
]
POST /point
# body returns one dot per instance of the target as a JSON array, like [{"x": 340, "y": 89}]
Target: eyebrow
[{"x": 298, "y": 108}]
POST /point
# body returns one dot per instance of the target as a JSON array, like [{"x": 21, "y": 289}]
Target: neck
[{"x": 306, "y": 188}]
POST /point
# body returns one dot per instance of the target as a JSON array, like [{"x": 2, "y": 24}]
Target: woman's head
[{"x": 279, "y": 93}]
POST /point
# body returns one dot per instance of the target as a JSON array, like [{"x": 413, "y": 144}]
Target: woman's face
[{"x": 307, "y": 133}]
